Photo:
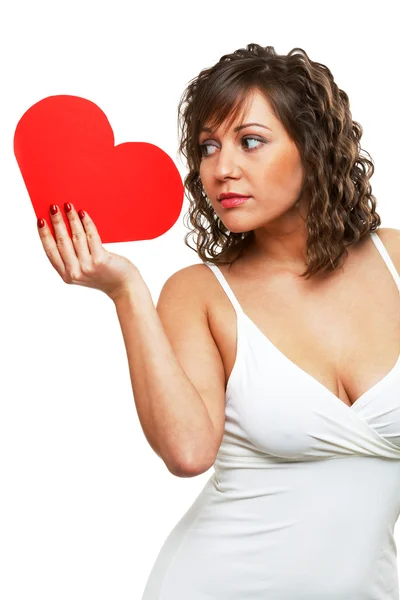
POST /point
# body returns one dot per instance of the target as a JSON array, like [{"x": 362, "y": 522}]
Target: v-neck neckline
[
  {"x": 368, "y": 394},
  {"x": 357, "y": 403}
]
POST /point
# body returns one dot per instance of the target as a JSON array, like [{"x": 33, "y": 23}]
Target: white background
[{"x": 85, "y": 504}]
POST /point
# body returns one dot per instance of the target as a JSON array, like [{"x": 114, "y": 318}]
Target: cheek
[
  {"x": 203, "y": 174},
  {"x": 284, "y": 170}
]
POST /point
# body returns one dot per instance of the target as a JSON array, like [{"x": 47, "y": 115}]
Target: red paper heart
[{"x": 64, "y": 146}]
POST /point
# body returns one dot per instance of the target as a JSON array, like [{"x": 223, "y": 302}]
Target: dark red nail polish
[
  {"x": 67, "y": 207},
  {"x": 81, "y": 213},
  {"x": 53, "y": 209},
  {"x": 40, "y": 223}
]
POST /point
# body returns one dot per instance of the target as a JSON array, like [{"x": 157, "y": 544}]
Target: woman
[{"x": 277, "y": 359}]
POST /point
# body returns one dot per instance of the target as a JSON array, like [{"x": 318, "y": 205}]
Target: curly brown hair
[{"x": 316, "y": 114}]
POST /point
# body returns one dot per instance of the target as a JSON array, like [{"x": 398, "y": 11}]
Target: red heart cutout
[{"x": 64, "y": 146}]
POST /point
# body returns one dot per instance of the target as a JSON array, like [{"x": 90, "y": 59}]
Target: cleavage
[{"x": 346, "y": 345}]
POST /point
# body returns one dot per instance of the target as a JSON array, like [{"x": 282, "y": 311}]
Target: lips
[
  {"x": 226, "y": 195},
  {"x": 234, "y": 201}
]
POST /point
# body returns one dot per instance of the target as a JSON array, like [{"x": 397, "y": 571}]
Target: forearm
[{"x": 171, "y": 412}]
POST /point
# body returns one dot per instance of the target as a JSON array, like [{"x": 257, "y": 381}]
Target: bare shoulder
[
  {"x": 189, "y": 285},
  {"x": 390, "y": 238},
  {"x": 389, "y": 233}
]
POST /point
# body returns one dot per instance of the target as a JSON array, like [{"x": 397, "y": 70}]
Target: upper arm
[{"x": 183, "y": 313}]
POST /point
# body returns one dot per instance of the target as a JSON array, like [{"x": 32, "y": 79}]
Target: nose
[{"x": 227, "y": 164}]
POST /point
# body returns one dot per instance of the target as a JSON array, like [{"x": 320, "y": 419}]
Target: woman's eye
[
  {"x": 245, "y": 139},
  {"x": 203, "y": 148},
  {"x": 253, "y": 140}
]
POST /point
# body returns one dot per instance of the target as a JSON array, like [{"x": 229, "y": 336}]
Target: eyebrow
[{"x": 239, "y": 127}]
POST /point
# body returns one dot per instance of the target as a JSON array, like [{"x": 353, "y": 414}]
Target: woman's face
[{"x": 260, "y": 161}]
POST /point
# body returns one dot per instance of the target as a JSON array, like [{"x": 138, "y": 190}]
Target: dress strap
[
  {"x": 217, "y": 272},
  {"x": 385, "y": 255}
]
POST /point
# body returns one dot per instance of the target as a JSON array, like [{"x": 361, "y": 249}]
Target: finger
[
  {"x": 64, "y": 244},
  {"x": 79, "y": 239},
  {"x": 92, "y": 236},
  {"x": 51, "y": 249}
]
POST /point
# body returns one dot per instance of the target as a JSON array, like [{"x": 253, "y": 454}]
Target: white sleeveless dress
[{"x": 305, "y": 492}]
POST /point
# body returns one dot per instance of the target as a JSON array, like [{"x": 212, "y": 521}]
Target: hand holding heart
[
  {"x": 83, "y": 260},
  {"x": 65, "y": 149},
  {"x": 64, "y": 146}
]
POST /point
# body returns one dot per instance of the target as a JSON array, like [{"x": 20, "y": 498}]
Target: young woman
[{"x": 277, "y": 359}]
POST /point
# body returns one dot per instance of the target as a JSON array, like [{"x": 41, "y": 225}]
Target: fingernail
[
  {"x": 40, "y": 223},
  {"x": 53, "y": 209},
  {"x": 67, "y": 207},
  {"x": 81, "y": 213}
]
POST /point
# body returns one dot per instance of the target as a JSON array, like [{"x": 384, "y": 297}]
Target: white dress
[{"x": 306, "y": 490}]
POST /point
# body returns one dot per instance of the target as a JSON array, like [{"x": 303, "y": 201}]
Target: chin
[{"x": 238, "y": 229}]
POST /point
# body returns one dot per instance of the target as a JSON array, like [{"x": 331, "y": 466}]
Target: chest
[{"x": 344, "y": 333}]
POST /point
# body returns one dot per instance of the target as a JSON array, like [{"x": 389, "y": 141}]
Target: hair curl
[{"x": 316, "y": 114}]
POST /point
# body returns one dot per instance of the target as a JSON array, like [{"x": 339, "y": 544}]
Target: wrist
[{"x": 133, "y": 288}]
